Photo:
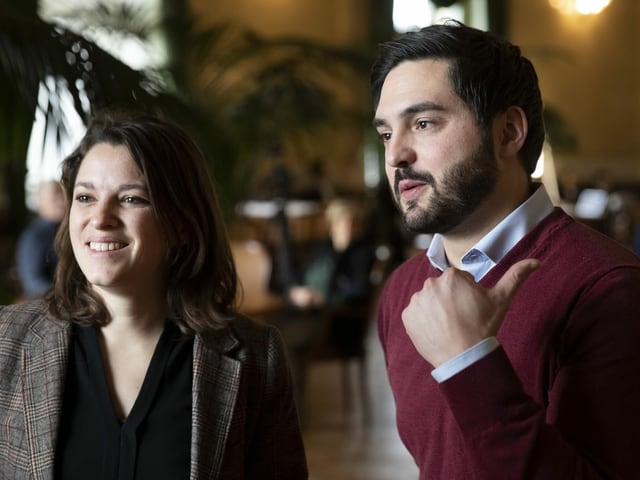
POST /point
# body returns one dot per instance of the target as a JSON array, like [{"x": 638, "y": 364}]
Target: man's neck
[{"x": 490, "y": 213}]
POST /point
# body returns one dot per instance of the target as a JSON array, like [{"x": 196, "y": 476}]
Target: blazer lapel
[
  {"x": 216, "y": 379},
  {"x": 44, "y": 363}
]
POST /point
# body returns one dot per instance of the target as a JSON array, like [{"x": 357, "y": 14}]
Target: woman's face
[{"x": 116, "y": 237}]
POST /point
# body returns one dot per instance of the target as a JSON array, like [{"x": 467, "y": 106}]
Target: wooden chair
[
  {"x": 342, "y": 332},
  {"x": 343, "y": 338},
  {"x": 253, "y": 265}
]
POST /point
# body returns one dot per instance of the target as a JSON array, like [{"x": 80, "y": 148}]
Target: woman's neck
[{"x": 140, "y": 315}]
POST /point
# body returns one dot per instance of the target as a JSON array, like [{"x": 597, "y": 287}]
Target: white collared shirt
[{"x": 481, "y": 258}]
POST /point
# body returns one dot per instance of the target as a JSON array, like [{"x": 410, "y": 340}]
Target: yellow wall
[
  {"x": 589, "y": 72},
  {"x": 336, "y": 23},
  {"x": 587, "y": 66}
]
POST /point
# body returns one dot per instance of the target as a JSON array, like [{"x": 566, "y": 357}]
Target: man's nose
[{"x": 400, "y": 151}]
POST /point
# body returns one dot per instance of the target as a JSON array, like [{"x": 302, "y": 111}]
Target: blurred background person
[
  {"x": 337, "y": 271},
  {"x": 35, "y": 256},
  {"x": 327, "y": 290}
]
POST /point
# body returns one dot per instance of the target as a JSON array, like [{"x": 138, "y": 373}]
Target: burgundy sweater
[{"x": 560, "y": 399}]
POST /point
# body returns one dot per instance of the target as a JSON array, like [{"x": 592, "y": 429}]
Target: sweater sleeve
[{"x": 589, "y": 427}]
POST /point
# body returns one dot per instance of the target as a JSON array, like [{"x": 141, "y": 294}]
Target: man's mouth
[
  {"x": 106, "y": 246},
  {"x": 410, "y": 189},
  {"x": 409, "y": 184},
  {"x": 405, "y": 185}
]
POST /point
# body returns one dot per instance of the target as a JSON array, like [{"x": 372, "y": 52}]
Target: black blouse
[{"x": 155, "y": 439}]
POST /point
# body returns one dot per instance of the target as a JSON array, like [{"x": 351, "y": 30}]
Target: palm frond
[
  {"x": 37, "y": 55},
  {"x": 113, "y": 17},
  {"x": 275, "y": 91}
]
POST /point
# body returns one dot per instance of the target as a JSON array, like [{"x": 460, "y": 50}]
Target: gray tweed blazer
[{"x": 244, "y": 421}]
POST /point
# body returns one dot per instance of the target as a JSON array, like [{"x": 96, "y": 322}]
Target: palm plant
[
  {"x": 34, "y": 55},
  {"x": 251, "y": 93},
  {"x": 290, "y": 85}
]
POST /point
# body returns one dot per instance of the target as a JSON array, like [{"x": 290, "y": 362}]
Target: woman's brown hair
[{"x": 202, "y": 280}]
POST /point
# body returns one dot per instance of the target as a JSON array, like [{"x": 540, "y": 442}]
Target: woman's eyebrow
[{"x": 121, "y": 188}]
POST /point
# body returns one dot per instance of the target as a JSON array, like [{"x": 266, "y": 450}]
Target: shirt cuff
[{"x": 461, "y": 361}]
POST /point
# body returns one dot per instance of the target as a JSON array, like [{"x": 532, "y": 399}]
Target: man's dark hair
[{"x": 487, "y": 73}]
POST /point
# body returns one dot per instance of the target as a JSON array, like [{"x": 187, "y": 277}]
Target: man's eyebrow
[
  {"x": 411, "y": 110},
  {"x": 421, "y": 107},
  {"x": 378, "y": 122}
]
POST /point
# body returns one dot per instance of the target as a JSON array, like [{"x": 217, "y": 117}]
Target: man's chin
[{"x": 415, "y": 220}]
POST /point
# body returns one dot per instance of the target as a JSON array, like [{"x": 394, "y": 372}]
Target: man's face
[{"x": 439, "y": 163}]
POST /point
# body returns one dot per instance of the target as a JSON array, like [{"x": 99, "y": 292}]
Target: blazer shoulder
[
  {"x": 27, "y": 320},
  {"x": 248, "y": 328},
  {"x": 240, "y": 333},
  {"x": 255, "y": 336}
]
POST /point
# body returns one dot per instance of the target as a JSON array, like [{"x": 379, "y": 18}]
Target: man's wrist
[{"x": 461, "y": 361}]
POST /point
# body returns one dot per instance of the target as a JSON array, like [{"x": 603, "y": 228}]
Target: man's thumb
[{"x": 508, "y": 285}]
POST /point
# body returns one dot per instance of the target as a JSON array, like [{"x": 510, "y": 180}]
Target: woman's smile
[{"x": 106, "y": 246}]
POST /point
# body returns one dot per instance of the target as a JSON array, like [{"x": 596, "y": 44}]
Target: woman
[{"x": 136, "y": 365}]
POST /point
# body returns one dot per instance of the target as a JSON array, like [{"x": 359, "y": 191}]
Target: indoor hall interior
[
  {"x": 346, "y": 407},
  {"x": 589, "y": 84}
]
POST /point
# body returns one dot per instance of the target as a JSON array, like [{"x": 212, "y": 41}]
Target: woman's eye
[
  {"x": 135, "y": 200},
  {"x": 82, "y": 198}
]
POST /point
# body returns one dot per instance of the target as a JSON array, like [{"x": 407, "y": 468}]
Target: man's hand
[{"x": 452, "y": 312}]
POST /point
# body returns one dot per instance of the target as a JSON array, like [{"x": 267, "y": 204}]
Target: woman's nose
[{"x": 104, "y": 215}]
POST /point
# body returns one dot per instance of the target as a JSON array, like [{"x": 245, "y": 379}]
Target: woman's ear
[{"x": 511, "y": 131}]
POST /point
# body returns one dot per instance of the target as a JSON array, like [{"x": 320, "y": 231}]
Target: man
[{"x": 513, "y": 344}]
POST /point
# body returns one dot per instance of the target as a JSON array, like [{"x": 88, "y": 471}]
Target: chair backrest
[
  {"x": 254, "y": 264},
  {"x": 346, "y": 327}
]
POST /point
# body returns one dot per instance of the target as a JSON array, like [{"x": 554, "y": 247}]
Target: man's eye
[
  {"x": 385, "y": 136},
  {"x": 423, "y": 124}
]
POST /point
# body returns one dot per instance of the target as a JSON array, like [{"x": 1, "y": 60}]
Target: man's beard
[{"x": 453, "y": 199}]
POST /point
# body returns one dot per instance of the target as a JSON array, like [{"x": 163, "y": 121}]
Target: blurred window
[
  {"x": 414, "y": 14},
  {"x": 127, "y": 29}
]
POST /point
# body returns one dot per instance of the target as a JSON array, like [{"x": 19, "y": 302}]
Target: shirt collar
[{"x": 494, "y": 245}]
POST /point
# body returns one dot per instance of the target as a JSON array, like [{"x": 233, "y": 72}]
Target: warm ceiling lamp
[{"x": 583, "y": 7}]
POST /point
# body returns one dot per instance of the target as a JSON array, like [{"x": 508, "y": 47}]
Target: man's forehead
[{"x": 416, "y": 85}]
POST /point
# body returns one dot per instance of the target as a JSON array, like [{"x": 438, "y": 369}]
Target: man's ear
[{"x": 511, "y": 131}]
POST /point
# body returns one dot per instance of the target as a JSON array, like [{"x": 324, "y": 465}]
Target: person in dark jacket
[{"x": 35, "y": 256}]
